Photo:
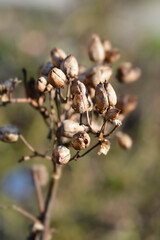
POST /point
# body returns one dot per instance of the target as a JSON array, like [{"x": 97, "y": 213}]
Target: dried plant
[{"x": 82, "y": 102}]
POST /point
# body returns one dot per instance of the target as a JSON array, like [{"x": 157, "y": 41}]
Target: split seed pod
[
  {"x": 70, "y": 66},
  {"x": 97, "y": 74},
  {"x": 124, "y": 140},
  {"x": 69, "y": 127},
  {"x": 112, "y": 55},
  {"x": 41, "y": 83},
  {"x": 57, "y": 56},
  {"x": 57, "y": 78},
  {"x": 96, "y": 50},
  {"x": 61, "y": 155},
  {"x": 127, "y": 74},
  {"x": 9, "y": 134},
  {"x": 127, "y": 104},
  {"x": 105, "y": 96},
  {"x": 80, "y": 141}
]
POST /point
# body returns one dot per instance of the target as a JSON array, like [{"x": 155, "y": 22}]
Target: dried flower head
[{"x": 81, "y": 140}]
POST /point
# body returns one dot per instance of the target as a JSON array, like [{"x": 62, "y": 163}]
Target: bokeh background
[{"x": 107, "y": 198}]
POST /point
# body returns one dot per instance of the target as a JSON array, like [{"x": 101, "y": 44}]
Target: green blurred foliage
[{"x": 114, "y": 197}]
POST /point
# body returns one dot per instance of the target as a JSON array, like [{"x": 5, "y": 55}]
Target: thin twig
[
  {"x": 22, "y": 211},
  {"x": 38, "y": 191}
]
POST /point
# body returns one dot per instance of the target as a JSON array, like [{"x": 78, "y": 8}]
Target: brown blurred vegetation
[{"x": 115, "y": 197}]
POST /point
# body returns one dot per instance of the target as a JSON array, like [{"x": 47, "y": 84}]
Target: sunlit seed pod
[
  {"x": 97, "y": 74},
  {"x": 112, "y": 97},
  {"x": 101, "y": 98},
  {"x": 127, "y": 104},
  {"x": 80, "y": 141},
  {"x": 41, "y": 83},
  {"x": 70, "y": 66},
  {"x": 69, "y": 127},
  {"x": 107, "y": 45},
  {"x": 42, "y": 174},
  {"x": 80, "y": 103},
  {"x": 104, "y": 147},
  {"x": 45, "y": 68},
  {"x": 112, "y": 55},
  {"x": 61, "y": 155},
  {"x": 112, "y": 113},
  {"x": 127, "y": 74},
  {"x": 57, "y": 56},
  {"x": 124, "y": 140},
  {"x": 78, "y": 87},
  {"x": 57, "y": 78},
  {"x": 96, "y": 50},
  {"x": 9, "y": 134}
]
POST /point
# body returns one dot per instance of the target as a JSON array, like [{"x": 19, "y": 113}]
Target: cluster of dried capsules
[{"x": 82, "y": 101}]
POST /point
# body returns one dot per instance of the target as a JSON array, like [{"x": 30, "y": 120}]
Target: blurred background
[{"x": 115, "y": 197}]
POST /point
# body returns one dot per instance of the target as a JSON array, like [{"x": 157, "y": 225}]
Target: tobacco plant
[{"x": 80, "y": 108}]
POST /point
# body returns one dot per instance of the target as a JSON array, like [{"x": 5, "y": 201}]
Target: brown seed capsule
[
  {"x": 96, "y": 50},
  {"x": 80, "y": 141},
  {"x": 9, "y": 134},
  {"x": 78, "y": 87},
  {"x": 107, "y": 45},
  {"x": 57, "y": 78},
  {"x": 112, "y": 113},
  {"x": 61, "y": 155},
  {"x": 97, "y": 74},
  {"x": 104, "y": 147},
  {"x": 57, "y": 56},
  {"x": 69, "y": 127},
  {"x": 80, "y": 103},
  {"x": 41, "y": 83},
  {"x": 101, "y": 98},
  {"x": 112, "y": 97},
  {"x": 112, "y": 55},
  {"x": 124, "y": 140},
  {"x": 70, "y": 66},
  {"x": 127, "y": 104},
  {"x": 41, "y": 173},
  {"x": 127, "y": 74},
  {"x": 45, "y": 68}
]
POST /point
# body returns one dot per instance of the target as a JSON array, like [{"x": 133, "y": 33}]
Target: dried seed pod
[
  {"x": 42, "y": 174},
  {"x": 70, "y": 66},
  {"x": 107, "y": 45},
  {"x": 127, "y": 74},
  {"x": 80, "y": 141},
  {"x": 57, "y": 56},
  {"x": 96, "y": 50},
  {"x": 57, "y": 78},
  {"x": 101, "y": 98},
  {"x": 112, "y": 55},
  {"x": 127, "y": 104},
  {"x": 97, "y": 74},
  {"x": 112, "y": 113},
  {"x": 45, "y": 68},
  {"x": 61, "y": 155},
  {"x": 104, "y": 147},
  {"x": 41, "y": 83},
  {"x": 9, "y": 134},
  {"x": 124, "y": 140},
  {"x": 69, "y": 127},
  {"x": 80, "y": 103},
  {"x": 112, "y": 97},
  {"x": 78, "y": 87}
]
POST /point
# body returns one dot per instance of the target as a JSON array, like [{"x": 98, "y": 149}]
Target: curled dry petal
[{"x": 104, "y": 147}]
